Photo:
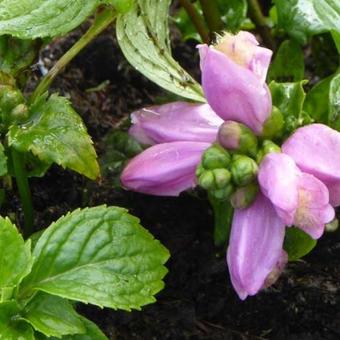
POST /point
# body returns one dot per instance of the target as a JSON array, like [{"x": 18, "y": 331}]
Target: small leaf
[
  {"x": 92, "y": 332},
  {"x": 15, "y": 255},
  {"x": 234, "y": 13},
  {"x": 3, "y": 161},
  {"x": 10, "y": 327},
  {"x": 297, "y": 243},
  {"x": 16, "y": 55},
  {"x": 304, "y": 18},
  {"x": 288, "y": 64},
  {"x": 288, "y": 97},
  {"x": 143, "y": 36},
  {"x": 98, "y": 255},
  {"x": 56, "y": 133},
  {"x": 27, "y": 19},
  {"x": 317, "y": 103},
  {"x": 53, "y": 316},
  {"x": 334, "y": 102}
]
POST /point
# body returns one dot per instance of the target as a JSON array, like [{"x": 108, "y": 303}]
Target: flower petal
[
  {"x": 255, "y": 246},
  {"x": 234, "y": 92},
  {"x": 313, "y": 148},
  {"x": 278, "y": 177},
  {"x": 314, "y": 210},
  {"x": 164, "y": 169},
  {"x": 177, "y": 121}
]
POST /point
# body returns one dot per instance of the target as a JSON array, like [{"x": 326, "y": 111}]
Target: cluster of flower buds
[{"x": 12, "y": 103}]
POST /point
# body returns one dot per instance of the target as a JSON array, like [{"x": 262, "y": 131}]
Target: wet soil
[{"x": 198, "y": 301}]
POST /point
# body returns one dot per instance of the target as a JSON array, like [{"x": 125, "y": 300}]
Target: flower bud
[
  {"x": 267, "y": 147},
  {"x": 243, "y": 170},
  {"x": 332, "y": 226},
  {"x": 214, "y": 179},
  {"x": 237, "y": 137},
  {"x": 223, "y": 194},
  {"x": 10, "y": 98},
  {"x": 19, "y": 113},
  {"x": 243, "y": 197},
  {"x": 273, "y": 126},
  {"x": 215, "y": 157}
]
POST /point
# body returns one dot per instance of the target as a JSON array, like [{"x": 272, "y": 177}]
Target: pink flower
[
  {"x": 233, "y": 79},
  {"x": 295, "y": 191}
]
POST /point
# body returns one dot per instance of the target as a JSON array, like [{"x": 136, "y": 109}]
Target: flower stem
[
  {"x": 223, "y": 215},
  {"x": 24, "y": 191},
  {"x": 256, "y": 15},
  {"x": 103, "y": 19},
  {"x": 196, "y": 19},
  {"x": 212, "y": 16}
]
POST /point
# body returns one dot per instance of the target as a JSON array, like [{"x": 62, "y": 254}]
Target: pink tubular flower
[
  {"x": 295, "y": 188},
  {"x": 233, "y": 79}
]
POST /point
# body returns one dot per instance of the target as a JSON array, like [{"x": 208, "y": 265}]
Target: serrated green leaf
[
  {"x": 27, "y": 19},
  {"x": 304, "y": 18},
  {"x": 3, "y": 161},
  {"x": 92, "y": 332},
  {"x": 288, "y": 64},
  {"x": 234, "y": 13},
  {"x": 297, "y": 243},
  {"x": 10, "y": 327},
  {"x": 288, "y": 97},
  {"x": 143, "y": 36},
  {"x": 53, "y": 316},
  {"x": 56, "y": 133},
  {"x": 16, "y": 54},
  {"x": 101, "y": 256},
  {"x": 316, "y": 103},
  {"x": 334, "y": 102},
  {"x": 15, "y": 257}
]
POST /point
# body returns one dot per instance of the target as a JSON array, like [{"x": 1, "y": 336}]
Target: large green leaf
[
  {"x": 16, "y": 54},
  {"x": 297, "y": 243},
  {"x": 304, "y": 18},
  {"x": 92, "y": 332},
  {"x": 29, "y": 19},
  {"x": 144, "y": 39},
  {"x": 317, "y": 101},
  {"x": 53, "y": 316},
  {"x": 10, "y": 327},
  {"x": 15, "y": 258},
  {"x": 288, "y": 64},
  {"x": 101, "y": 256},
  {"x": 56, "y": 133}
]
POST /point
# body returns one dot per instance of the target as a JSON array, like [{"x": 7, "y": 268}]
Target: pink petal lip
[
  {"x": 164, "y": 169},
  {"x": 255, "y": 246},
  {"x": 177, "y": 121}
]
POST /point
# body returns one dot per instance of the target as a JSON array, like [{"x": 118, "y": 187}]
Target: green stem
[
  {"x": 256, "y": 15},
  {"x": 212, "y": 16},
  {"x": 24, "y": 191},
  {"x": 223, "y": 215},
  {"x": 196, "y": 19},
  {"x": 102, "y": 21}
]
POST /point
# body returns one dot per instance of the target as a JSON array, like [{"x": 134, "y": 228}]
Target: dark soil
[{"x": 198, "y": 301}]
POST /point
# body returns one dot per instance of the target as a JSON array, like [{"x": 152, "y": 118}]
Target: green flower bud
[
  {"x": 214, "y": 179},
  {"x": 244, "y": 196},
  {"x": 273, "y": 126},
  {"x": 332, "y": 226},
  {"x": 237, "y": 137},
  {"x": 267, "y": 147},
  {"x": 222, "y": 177},
  {"x": 223, "y": 194},
  {"x": 206, "y": 180},
  {"x": 9, "y": 98},
  {"x": 215, "y": 157},
  {"x": 19, "y": 113},
  {"x": 243, "y": 170}
]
